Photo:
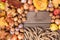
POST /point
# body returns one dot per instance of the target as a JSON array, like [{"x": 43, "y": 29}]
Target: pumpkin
[{"x": 40, "y": 4}]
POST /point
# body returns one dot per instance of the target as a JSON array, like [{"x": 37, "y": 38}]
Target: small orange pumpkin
[{"x": 40, "y": 4}]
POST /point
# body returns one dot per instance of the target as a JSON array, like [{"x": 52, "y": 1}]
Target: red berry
[
  {"x": 3, "y": 0},
  {"x": 56, "y": 11}
]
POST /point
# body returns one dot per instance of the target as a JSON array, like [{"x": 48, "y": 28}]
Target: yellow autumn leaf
[
  {"x": 3, "y": 22},
  {"x": 2, "y": 5}
]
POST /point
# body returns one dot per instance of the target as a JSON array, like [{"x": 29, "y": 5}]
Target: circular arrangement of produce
[{"x": 13, "y": 15}]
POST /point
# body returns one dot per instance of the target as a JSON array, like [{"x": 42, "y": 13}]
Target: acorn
[
  {"x": 25, "y": 12},
  {"x": 14, "y": 37},
  {"x": 23, "y": 19},
  {"x": 23, "y": 15},
  {"x": 20, "y": 36},
  {"x": 52, "y": 20},
  {"x": 31, "y": 8},
  {"x": 47, "y": 9},
  {"x": 19, "y": 16},
  {"x": 16, "y": 32},
  {"x": 30, "y": 2},
  {"x": 36, "y": 10},
  {"x": 8, "y": 37},
  {"x": 20, "y": 11},
  {"x": 51, "y": 14},
  {"x": 53, "y": 17},
  {"x": 12, "y": 29},
  {"x": 19, "y": 21},
  {"x": 26, "y": 6},
  {"x": 15, "y": 18},
  {"x": 57, "y": 21},
  {"x": 51, "y": 9},
  {"x": 16, "y": 23},
  {"x": 21, "y": 30},
  {"x": 16, "y": 29},
  {"x": 14, "y": 14}
]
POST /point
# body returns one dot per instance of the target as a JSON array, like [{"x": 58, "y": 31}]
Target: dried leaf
[{"x": 15, "y": 3}]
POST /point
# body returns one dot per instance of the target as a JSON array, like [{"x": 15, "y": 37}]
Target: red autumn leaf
[{"x": 15, "y": 3}]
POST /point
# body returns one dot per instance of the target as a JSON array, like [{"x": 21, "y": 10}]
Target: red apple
[
  {"x": 3, "y": 0},
  {"x": 56, "y": 11}
]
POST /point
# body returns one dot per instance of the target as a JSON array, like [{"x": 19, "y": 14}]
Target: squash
[{"x": 40, "y": 4}]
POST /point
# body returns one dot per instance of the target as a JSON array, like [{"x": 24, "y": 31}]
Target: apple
[
  {"x": 56, "y": 11},
  {"x": 54, "y": 27},
  {"x": 3, "y": 0}
]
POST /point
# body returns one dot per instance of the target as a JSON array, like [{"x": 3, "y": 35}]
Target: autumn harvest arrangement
[{"x": 13, "y": 15}]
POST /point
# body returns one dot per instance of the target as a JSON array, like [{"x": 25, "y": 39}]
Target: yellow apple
[{"x": 54, "y": 27}]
